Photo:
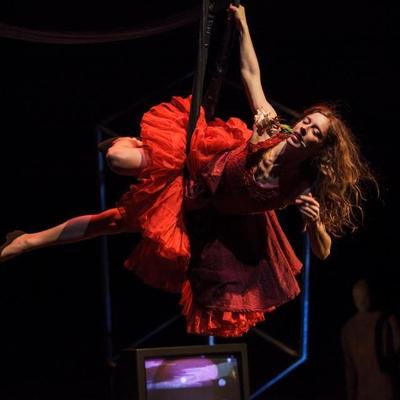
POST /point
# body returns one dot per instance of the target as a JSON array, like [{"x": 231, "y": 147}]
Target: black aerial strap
[
  {"x": 211, "y": 96},
  {"x": 205, "y": 30}
]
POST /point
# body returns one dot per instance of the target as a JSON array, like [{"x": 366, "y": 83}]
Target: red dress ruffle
[
  {"x": 155, "y": 207},
  {"x": 214, "y": 322}
]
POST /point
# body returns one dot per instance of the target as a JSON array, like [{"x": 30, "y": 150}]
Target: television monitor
[{"x": 218, "y": 372}]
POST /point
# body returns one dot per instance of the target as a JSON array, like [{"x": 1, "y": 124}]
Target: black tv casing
[{"x": 129, "y": 380}]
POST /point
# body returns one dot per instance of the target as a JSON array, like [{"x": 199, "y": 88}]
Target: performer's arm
[
  {"x": 320, "y": 240},
  {"x": 249, "y": 66}
]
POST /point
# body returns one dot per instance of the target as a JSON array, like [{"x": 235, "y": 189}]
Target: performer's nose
[{"x": 303, "y": 132}]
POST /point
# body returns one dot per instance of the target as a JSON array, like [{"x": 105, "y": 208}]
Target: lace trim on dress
[{"x": 265, "y": 124}]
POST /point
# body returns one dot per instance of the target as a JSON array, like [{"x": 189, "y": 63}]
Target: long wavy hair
[{"x": 340, "y": 174}]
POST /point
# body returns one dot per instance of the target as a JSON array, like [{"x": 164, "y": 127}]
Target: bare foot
[{"x": 15, "y": 244}]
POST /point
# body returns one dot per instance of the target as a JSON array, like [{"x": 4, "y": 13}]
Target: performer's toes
[{"x": 13, "y": 246}]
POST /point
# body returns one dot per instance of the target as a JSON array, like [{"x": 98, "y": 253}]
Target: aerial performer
[{"x": 207, "y": 217}]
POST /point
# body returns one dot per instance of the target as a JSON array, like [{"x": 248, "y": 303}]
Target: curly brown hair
[{"x": 340, "y": 173}]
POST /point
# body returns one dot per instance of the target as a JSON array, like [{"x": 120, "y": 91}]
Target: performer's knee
[
  {"x": 126, "y": 157},
  {"x": 110, "y": 222}
]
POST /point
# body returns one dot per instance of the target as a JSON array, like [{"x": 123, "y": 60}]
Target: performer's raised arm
[{"x": 249, "y": 67}]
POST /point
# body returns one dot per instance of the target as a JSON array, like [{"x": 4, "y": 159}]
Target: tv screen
[
  {"x": 216, "y": 372},
  {"x": 214, "y": 376}
]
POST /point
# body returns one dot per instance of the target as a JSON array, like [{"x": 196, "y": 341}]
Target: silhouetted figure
[{"x": 371, "y": 346}]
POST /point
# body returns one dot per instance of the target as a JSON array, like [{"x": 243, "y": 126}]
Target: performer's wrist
[
  {"x": 243, "y": 29},
  {"x": 315, "y": 224}
]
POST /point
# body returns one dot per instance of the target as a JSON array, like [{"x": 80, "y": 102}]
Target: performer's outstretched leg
[
  {"x": 125, "y": 156},
  {"x": 74, "y": 230}
]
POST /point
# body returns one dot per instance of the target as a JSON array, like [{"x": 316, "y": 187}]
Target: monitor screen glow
[
  {"x": 218, "y": 372},
  {"x": 204, "y": 376}
]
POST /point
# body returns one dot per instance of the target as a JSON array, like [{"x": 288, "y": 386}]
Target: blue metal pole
[
  {"x": 104, "y": 260},
  {"x": 304, "y": 326}
]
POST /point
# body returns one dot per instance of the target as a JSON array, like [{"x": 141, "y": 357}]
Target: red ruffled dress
[{"x": 213, "y": 236}]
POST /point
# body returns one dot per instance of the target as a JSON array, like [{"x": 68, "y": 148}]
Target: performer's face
[{"x": 309, "y": 133}]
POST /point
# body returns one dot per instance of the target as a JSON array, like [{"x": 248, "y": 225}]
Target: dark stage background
[{"x": 51, "y": 301}]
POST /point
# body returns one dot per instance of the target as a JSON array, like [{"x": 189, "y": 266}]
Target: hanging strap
[
  {"x": 209, "y": 101},
  {"x": 211, "y": 97},
  {"x": 205, "y": 29}
]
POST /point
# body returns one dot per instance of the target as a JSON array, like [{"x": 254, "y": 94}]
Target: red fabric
[
  {"x": 238, "y": 266},
  {"x": 155, "y": 207},
  {"x": 213, "y": 140},
  {"x": 278, "y": 248},
  {"x": 203, "y": 321},
  {"x": 237, "y": 192}
]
